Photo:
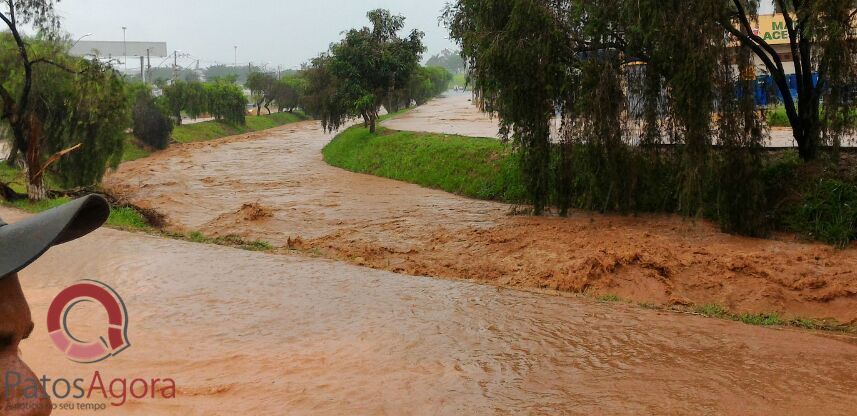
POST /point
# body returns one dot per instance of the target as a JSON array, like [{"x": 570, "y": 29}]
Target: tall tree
[
  {"x": 623, "y": 78},
  {"x": 16, "y": 109},
  {"x": 261, "y": 86},
  {"x": 370, "y": 64},
  {"x": 823, "y": 43}
]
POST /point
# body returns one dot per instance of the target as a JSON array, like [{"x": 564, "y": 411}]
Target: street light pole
[
  {"x": 125, "y": 48},
  {"x": 236, "y": 57}
]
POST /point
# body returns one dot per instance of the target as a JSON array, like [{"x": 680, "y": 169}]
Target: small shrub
[
  {"x": 711, "y": 310},
  {"x": 151, "y": 125},
  {"x": 828, "y": 212}
]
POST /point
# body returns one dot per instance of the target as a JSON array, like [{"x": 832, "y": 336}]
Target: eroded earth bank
[{"x": 274, "y": 186}]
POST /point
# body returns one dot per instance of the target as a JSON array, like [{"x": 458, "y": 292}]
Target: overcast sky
[{"x": 277, "y": 32}]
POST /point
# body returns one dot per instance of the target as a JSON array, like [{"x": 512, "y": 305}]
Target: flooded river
[
  {"x": 274, "y": 186},
  {"x": 456, "y": 114},
  {"x": 261, "y": 334}
]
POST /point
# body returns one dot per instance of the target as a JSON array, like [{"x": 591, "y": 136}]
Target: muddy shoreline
[{"x": 273, "y": 186}]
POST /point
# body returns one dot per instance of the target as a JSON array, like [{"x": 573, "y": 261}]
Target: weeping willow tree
[{"x": 653, "y": 99}]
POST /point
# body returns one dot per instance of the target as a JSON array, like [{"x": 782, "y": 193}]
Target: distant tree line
[
  {"x": 449, "y": 60},
  {"x": 370, "y": 68}
]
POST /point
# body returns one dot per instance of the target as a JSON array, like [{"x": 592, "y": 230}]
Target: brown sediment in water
[
  {"x": 404, "y": 228},
  {"x": 254, "y": 333}
]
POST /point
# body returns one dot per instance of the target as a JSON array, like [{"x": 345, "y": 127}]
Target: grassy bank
[
  {"x": 777, "y": 117},
  {"x": 473, "y": 167},
  {"x": 819, "y": 204},
  {"x": 212, "y": 130},
  {"x": 458, "y": 81}
]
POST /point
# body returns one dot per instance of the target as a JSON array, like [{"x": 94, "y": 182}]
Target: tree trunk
[
  {"x": 36, "y": 189},
  {"x": 372, "y": 124},
  {"x": 258, "y": 109}
]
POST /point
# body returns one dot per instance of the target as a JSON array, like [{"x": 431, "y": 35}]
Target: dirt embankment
[{"x": 219, "y": 187}]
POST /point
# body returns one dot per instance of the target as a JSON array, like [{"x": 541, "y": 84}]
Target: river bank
[{"x": 273, "y": 186}]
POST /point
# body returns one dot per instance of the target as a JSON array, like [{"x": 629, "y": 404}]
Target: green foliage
[
  {"x": 361, "y": 71},
  {"x": 261, "y": 86},
  {"x": 478, "y": 168},
  {"x": 427, "y": 83},
  {"x": 228, "y": 73},
  {"x": 624, "y": 80},
  {"x": 133, "y": 150},
  {"x": 288, "y": 92},
  {"x": 87, "y": 108},
  {"x": 190, "y": 98},
  {"x": 226, "y": 102},
  {"x": 151, "y": 125},
  {"x": 449, "y": 60},
  {"x": 828, "y": 212},
  {"x": 128, "y": 219}
]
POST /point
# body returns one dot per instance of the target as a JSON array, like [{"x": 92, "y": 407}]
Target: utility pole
[
  {"x": 143, "y": 69},
  {"x": 125, "y": 48},
  {"x": 236, "y": 57},
  {"x": 148, "y": 65},
  {"x": 175, "y": 66}
]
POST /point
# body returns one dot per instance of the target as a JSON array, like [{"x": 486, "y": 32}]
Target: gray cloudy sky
[{"x": 278, "y": 32}]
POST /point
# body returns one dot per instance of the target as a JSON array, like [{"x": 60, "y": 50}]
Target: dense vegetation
[
  {"x": 625, "y": 80},
  {"x": 818, "y": 206},
  {"x": 66, "y": 115},
  {"x": 370, "y": 68}
]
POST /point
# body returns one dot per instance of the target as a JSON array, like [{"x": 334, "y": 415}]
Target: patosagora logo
[{"x": 115, "y": 339}]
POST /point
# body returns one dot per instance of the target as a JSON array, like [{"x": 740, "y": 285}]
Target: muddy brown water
[
  {"x": 274, "y": 186},
  {"x": 456, "y": 114},
  {"x": 255, "y": 333}
]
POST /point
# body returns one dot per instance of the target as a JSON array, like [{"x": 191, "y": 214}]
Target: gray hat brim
[{"x": 27, "y": 240}]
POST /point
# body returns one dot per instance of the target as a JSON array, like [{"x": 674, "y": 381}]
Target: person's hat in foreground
[{"x": 25, "y": 241}]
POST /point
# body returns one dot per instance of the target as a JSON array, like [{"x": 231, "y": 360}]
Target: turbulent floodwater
[
  {"x": 274, "y": 186},
  {"x": 251, "y": 333},
  {"x": 456, "y": 114}
]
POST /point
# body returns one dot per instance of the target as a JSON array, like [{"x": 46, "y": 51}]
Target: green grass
[
  {"x": 123, "y": 218},
  {"x": 609, "y": 298},
  {"x": 132, "y": 150},
  {"x": 474, "y": 167},
  {"x": 458, "y": 80},
  {"x": 128, "y": 219},
  {"x": 777, "y": 116},
  {"x": 211, "y": 130},
  {"x": 771, "y": 319},
  {"x": 229, "y": 241}
]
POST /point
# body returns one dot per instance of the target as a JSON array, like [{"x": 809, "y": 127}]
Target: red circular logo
[{"x": 116, "y": 339}]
